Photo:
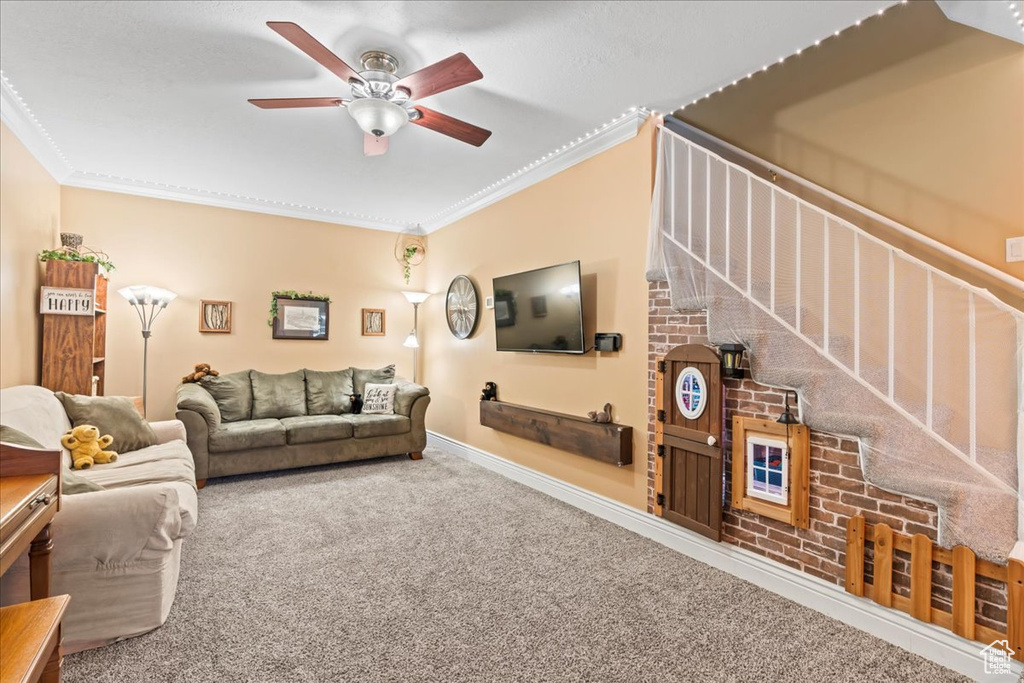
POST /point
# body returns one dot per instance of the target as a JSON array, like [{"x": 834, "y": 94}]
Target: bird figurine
[{"x": 603, "y": 416}]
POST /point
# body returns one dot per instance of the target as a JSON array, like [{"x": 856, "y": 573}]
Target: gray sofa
[{"x": 251, "y": 421}]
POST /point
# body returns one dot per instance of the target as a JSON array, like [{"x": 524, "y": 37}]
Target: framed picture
[
  {"x": 374, "y": 322},
  {"x": 214, "y": 316},
  {"x": 302, "y": 319}
]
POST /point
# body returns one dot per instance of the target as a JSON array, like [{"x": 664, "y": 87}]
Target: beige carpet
[{"x": 438, "y": 570}]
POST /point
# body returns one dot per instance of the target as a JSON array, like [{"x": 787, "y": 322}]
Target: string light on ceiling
[
  {"x": 1015, "y": 10},
  {"x": 796, "y": 53}
]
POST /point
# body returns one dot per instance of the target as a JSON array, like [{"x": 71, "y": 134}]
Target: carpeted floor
[{"x": 438, "y": 570}]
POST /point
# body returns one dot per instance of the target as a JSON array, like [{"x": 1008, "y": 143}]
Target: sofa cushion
[
  {"x": 240, "y": 436},
  {"x": 278, "y": 395},
  {"x": 379, "y": 399},
  {"x": 360, "y": 377},
  {"x": 368, "y": 426},
  {"x": 328, "y": 393},
  {"x": 233, "y": 394},
  {"x": 113, "y": 415},
  {"x": 169, "y": 462},
  {"x": 316, "y": 428},
  {"x": 70, "y": 482},
  {"x": 36, "y": 412}
]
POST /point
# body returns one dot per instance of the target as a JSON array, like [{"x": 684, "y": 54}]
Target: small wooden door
[{"x": 688, "y": 434}]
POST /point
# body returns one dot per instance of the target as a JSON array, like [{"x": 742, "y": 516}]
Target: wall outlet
[{"x": 1015, "y": 249}]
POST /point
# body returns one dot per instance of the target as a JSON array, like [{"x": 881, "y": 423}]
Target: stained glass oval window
[{"x": 691, "y": 393}]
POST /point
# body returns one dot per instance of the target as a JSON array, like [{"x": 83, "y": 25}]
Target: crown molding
[
  {"x": 616, "y": 132},
  {"x": 223, "y": 200},
  {"x": 17, "y": 117}
]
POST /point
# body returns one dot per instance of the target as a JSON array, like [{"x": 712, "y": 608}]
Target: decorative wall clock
[{"x": 461, "y": 307}]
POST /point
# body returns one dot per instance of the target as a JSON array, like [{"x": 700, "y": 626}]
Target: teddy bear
[
  {"x": 357, "y": 403},
  {"x": 490, "y": 392},
  {"x": 86, "y": 446},
  {"x": 201, "y": 371}
]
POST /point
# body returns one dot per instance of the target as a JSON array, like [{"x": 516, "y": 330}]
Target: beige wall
[
  {"x": 914, "y": 116},
  {"x": 203, "y": 252},
  {"x": 29, "y": 217},
  {"x": 596, "y": 212}
]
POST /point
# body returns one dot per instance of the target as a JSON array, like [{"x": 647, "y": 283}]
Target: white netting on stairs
[{"x": 922, "y": 368}]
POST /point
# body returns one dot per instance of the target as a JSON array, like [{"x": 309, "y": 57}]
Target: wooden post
[
  {"x": 659, "y": 435},
  {"x": 1015, "y": 607},
  {"x": 855, "y": 555},
  {"x": 882, "y": 591},
  {"x": 921, "y": 577},
  {"x": 963, "y": 591}
]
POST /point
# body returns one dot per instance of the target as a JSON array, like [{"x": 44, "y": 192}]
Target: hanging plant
[
  {"x": 410, "y": 250},
  {"x": 291, "y": 294},
  {"x": 72, "y": 255}
]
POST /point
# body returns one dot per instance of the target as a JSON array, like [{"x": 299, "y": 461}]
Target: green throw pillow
[
  {"x": 114, "y": 415},
  {"x": 278, "y": 395},
  {"x": 71, "y": 483},
  {"x": 361, "y": 377},
  {"x": 327, "y": 393},
  {"x": 233, "y": 394}
]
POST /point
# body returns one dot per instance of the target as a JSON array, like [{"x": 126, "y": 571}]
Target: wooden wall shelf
[{"x": 608, "y": 442}]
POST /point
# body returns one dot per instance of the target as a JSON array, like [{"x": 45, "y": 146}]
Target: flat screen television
[{"x": 540, "y": 311}]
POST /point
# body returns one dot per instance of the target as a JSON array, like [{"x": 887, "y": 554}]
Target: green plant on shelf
[
  {"x": 67, "y": 255},
  {"x": 291, "y": 294}
]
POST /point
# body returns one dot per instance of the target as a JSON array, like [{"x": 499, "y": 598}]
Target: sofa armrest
[
  {"x": 168, "y": 430},
  {"x": 118, "y": 526},
  {"x": 197, "y": 438},
  {"x": 407, "y": 395},
  {"x": 197, "y": 399}
]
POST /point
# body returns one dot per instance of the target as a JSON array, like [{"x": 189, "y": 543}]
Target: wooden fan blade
[
  {"x": 297, "y": 102},
  {"x": 298, "y": 37},
  {"x": 374, "y": 146},
  {"x": 444, "y": 75},
  {"x": 452, "y": 127}
]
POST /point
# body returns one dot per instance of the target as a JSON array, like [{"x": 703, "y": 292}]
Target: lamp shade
[
  {"x": 411, "y": 341},
  {"x": 416, "y": 297},
  {"x": 145, "y": 294},
  {"x": 377, "y": 117}
]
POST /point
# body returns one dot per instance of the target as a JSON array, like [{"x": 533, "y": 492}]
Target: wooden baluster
[
  {"x": 883, "y": 565},
  {"x": 963, "y": 591},
  {"x": 921, "y": 577},
  {"x": 1015, "y": 607},
  {"x": 855, "y": 555}
]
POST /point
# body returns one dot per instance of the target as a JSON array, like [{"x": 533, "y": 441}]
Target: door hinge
[
  {"x": 661, "y": 366},
  {"x": 661, "y": 450},
  {"x": 661, "y": 416},
  {"x": 661, "y": 499}
]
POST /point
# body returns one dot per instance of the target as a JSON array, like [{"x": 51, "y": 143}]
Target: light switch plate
[
  {"x": 1015, "y": 249},
  {"x": 489, "y": 301}
]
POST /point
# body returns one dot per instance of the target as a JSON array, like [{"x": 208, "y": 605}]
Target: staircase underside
[{"x": 978, "y": 507}]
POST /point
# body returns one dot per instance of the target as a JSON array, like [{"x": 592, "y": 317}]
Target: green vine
[
  {"x": 63, "y": 255},
  {"x": 406, "y": 266},
  {"x": 291, "y": 294}
]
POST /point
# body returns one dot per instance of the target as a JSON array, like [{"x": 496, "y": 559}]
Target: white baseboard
[{"x": 934, "y": 643}]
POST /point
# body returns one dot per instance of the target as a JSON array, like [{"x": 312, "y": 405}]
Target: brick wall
[{"x": 838, "y": 490}]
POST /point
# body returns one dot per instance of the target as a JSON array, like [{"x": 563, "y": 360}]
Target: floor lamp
[
  {"x": 147, "y": 302},
  {"x": 413, "y": 340}
]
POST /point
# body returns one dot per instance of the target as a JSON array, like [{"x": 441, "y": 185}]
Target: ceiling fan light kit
[{"x": 381, "y": 102}]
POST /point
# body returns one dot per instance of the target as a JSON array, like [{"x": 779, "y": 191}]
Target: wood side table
[{"x": 30, "y": 632}]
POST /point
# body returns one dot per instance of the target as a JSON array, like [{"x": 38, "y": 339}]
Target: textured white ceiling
[{"x": 155, "y": 92}]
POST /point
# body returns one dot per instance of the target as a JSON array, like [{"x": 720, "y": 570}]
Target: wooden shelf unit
[
  {"x": 74, "y": 346},
  {"x": 607, "y": 442}
]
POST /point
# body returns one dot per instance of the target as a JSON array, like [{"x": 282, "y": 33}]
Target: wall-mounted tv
[{"x": 540, "y": 310}]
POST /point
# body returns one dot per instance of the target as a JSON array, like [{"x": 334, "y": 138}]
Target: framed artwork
[
  {"x": 214, "y": 316},
  {"x": 302, "y": 319},
  {"x": 374, "y": 322}
]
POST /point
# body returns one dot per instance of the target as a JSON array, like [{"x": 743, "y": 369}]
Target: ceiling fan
[{"x": 382, "y": 102}]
